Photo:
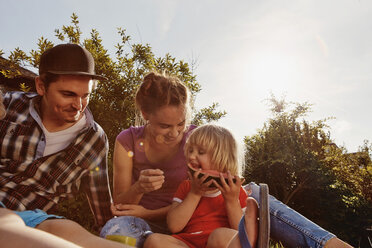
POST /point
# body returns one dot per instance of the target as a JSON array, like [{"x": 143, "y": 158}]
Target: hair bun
[
  {"x": 159, "y": 90},
  {"x": 148, "y": 80}
]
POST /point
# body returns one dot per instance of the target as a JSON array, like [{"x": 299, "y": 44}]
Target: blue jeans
[{"x": 290, "y": 227}]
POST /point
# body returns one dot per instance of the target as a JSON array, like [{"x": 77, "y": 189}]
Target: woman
[{"x": 149, "y": 164}]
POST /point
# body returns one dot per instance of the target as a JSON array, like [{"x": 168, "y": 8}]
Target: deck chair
[{"x": 264, "y": 221}]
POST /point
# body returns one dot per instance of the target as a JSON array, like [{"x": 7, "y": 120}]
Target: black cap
[{"x": 68, "y": 59}]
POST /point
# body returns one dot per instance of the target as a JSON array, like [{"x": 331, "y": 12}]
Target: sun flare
[{"x": 273, "y": 72}]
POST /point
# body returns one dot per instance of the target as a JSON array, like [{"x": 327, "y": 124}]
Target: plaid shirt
[{"x": 29, "y": 180}]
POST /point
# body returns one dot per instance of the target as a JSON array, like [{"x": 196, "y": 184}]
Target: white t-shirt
[{"x": 57, "y": 141}]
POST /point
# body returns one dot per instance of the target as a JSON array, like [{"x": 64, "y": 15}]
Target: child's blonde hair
[{"x": 220, "y": 144}]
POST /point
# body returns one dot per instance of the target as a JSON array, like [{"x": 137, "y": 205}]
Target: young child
[{"x": 201, "y": 206}]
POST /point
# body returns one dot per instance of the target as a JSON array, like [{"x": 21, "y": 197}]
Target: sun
[{"x": 275, "y": 72}]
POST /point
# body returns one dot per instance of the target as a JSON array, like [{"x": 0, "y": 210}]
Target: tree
[
  {"x": 284, "y": 152},
  {"x": 112, "y": 103},
  {"x": 306, "y": 170}
]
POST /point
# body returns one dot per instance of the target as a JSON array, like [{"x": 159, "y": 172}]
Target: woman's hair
[
  {"x": 2, "y": 107},
  {"x": 159, "y": 90},
  {"x": 220, "y": 144}
]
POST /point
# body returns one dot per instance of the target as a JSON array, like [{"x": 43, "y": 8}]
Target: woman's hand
[
  {"x": 150, "y": 180},
  {"x": 230, "y": 191},
  {"x": 129, "y": 210}
]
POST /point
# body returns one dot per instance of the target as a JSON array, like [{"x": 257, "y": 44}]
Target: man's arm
[{"x": 96, "y": 186}]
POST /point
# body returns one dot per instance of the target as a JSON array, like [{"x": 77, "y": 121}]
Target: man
[{"x": 50, "y": 148}]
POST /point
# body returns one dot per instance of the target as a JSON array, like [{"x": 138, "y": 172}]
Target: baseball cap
[{"x": 68, "y": 59}]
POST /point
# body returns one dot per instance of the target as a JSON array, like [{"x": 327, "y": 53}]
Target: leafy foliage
[
  {"x": 24, "y": 87},
  {"x": 112, "y": 103},
  {"x": 113, "y": 100},
  {"x": 307, "y": 171},
  {"x": 208, "y": 114}
]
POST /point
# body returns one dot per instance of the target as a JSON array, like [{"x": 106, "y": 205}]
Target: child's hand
[
  {"x": 198, "y": 186},
  {"x": 229, "y": 191}
]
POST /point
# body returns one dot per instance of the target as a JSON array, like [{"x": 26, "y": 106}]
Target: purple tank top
[{"x": 175, "y": 170}]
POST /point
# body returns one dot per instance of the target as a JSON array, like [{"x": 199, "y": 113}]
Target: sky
[{"x": 312, "y": 51}]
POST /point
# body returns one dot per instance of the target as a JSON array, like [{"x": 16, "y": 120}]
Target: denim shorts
[{"x": 32, "y": 218}]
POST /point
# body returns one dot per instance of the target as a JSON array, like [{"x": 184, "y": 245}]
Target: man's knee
[{"x": 8, "y": 217}]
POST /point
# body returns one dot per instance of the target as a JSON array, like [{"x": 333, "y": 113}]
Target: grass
[{"x": 275, "y": 244}]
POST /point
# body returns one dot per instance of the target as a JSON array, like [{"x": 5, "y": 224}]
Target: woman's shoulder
[{"x": 130, "y": 134}]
